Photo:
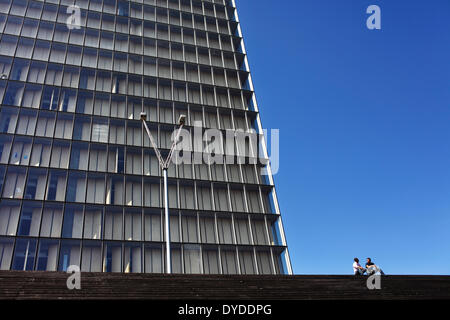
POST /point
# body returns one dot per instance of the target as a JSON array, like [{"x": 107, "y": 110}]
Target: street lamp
[{"x": 164, "y": 164}]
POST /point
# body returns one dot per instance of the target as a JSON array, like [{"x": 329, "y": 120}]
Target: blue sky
[{"x": 364, "y": 119}]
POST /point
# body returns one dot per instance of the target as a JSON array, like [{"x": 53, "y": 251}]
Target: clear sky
[{"x": 364, "y": 119}]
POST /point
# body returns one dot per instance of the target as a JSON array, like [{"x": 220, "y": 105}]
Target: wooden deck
[{"x": 52, "y": 285}]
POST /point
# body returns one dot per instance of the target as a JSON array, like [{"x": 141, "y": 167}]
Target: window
[
  {"x": 27, "y": 122},
  {"x": 20, "y": 153},
  {"x": 36, "y": 183},
  {"x": 133, "y": 192},
  {"x": 225, "y": 230},
  {"x": 152, "y": 226},
  {"x": 101, "y": 105},
  {"x": 45, "y": 124},
  {"x": 247, "y": 261},
  {"x": 136, "y": 27},
  {"x": 95, "y": 188},
  {"x": 54, "y": 74},
  {"x": 56, "y": 186},
  {"x": 14, "y": 183},
  {"x": 105, "y": 60},
  {"x": 134, "y": 162},
  {"x": 91, "y": 260},
  {"x": 82, "y": 129},
  {"x": 207, "y": 228},
  {"x": 210, "y": 261},
  {"x": 5, "y": 148},
  {"x": 76, "y": 187},
  {"x": 79, "y": 156},
  {"x": 242, "y": 230},
  {"x": 189, "y": 228},
  {"x": 46, "y": 30},
  {"x": 71, "y": 76},
  {"x": 149, "y": 47},
  {"x": 229, "y": 261},
  {"x": 89, "y": 58},
  {"x": 153, "y": 258},
  {"x": 115, "y": 190},
  {"x": 69, "y": 254},
  {"x": 114, "y": 224},
  {"x": 73, "y": 55},
  {"x": 93, "y": 223},
  {"x": 52, "y": 218},
  {"x": 20, "y": 70},
  {"x": 47, "y": 255},
  {"x": 135, "y": 64},
  {"x": 8, "y": 45},
  {"x": 61, "y": 31},
  {"x": 60, "y": 155},
  {"x": 73, "y": 221},
  {"x": 122, "y": 8},
  {"x": 221, "y": 198},
  {"x": 24, "y": 254},
  {"x": 192, "y": 261},
  {"x": 121, "y": 42},
  {"x": 107, "y": 40},
  {"x": 97, "y": 158},
  {"x": 237, "y": 200},
  {"x": 117, "y": 132},
  {"x": 100, "y": 130},
  {"x": 120, "y": 64},
  {"x": 41, "y": 50},
  {"x": 50, "y": 98},
  {"x": 134, "y": 86},
  {"x": 112, "y": 257},
  {"x": 64, "y": 122},
  {"x": 30, "y": 219},
  {"x": 204, "y": 198},
  {"x": 6, "y": 250},
  {"x": 87, "y": 79},
  {"x": 9, "y": 219},
  {"x": 40, "y": 155},
  {"x": 13, "y": 97},
  {"x": 93, "y": 20},
  {"x": 133, "y": 224},
  {"x": 152, "y": 192},
  {"x": 34, "y": 9}
]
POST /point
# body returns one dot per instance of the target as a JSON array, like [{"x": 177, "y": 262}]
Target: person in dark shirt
[{"x": 370, "y": 266}]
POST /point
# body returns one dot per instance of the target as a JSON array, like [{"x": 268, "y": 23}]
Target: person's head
[
  {"x": 356, "y": 260},
  {"x": 368, "y": 260}
]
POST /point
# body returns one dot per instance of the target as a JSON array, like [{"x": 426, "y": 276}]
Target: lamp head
[
  {"x": 3, "y": 76},
  {"x": 182, "y": 120},
  {"x": 144, "y": 116}
]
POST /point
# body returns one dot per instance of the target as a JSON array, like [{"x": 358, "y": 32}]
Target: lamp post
[{"x": 164, "y": 165}]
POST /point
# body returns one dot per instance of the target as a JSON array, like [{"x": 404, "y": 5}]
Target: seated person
[
  {"x": 371, "y": 267},
  {"x": 357, "y": 269}
]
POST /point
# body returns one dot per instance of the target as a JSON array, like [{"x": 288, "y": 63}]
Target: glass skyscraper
[{"x": 79, "y": 181}]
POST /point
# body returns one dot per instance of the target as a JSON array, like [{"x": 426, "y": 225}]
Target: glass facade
[{"x": 79, "y": 181}]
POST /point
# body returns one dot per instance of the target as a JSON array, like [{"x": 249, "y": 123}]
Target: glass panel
[
  {"x": 69, "y": 254},
  {"x": 91, "y": 257},
  {"x": 9, "y": 219},
  {"x": 192, "y": 262},
  {"x": 6, "y": 250},
  {"x": 24, "y": 254},
  {"x": 47, "y": 255}
]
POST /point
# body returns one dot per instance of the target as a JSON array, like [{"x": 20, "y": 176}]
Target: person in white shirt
[{"x": 357, "y": 269}]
